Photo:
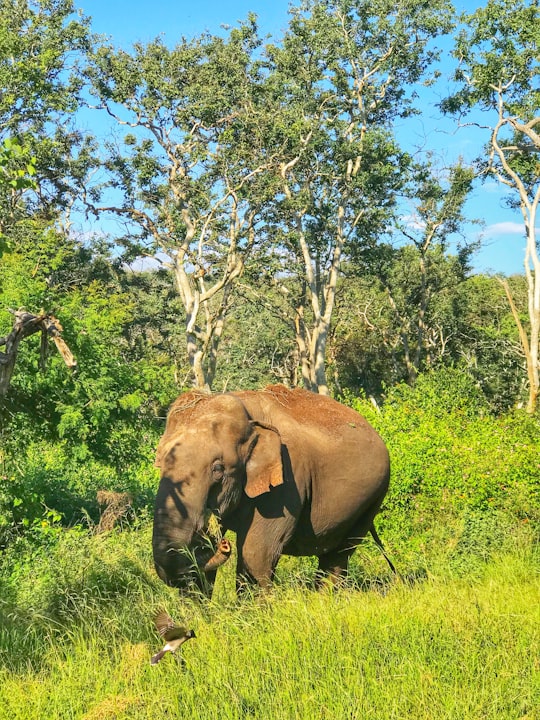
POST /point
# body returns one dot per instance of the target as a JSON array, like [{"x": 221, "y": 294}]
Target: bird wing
[
  {"x": 166, "y": 627},
  {"x": 163, "y": 622}
]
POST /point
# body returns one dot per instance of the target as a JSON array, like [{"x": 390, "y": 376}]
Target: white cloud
[
  {"x": 504, "y": 228},
  {"x": 492, "y": 187},
  {"x": 413, "y": 222}
]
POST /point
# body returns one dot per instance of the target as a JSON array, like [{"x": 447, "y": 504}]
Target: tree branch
[{"x": 27, "y": 324}]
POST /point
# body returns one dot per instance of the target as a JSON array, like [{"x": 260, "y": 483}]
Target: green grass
[{"x": 76, "y": 638}]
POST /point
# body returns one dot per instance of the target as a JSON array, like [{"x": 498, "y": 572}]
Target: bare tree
[{"x": 24, "y": 325}]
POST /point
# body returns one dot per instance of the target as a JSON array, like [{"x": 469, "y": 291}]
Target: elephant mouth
[{"x": 196, "y": 561}]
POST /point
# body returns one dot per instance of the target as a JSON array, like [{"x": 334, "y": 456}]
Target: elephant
[{"x": 290, "y": 472}]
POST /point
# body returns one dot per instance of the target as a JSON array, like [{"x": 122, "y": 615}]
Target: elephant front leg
[{"x": 258, "y": 555}]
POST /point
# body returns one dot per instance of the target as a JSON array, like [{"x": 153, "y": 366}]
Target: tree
[
  {"x": 41, "y": 45},
  {"x": 187, "y": 176},
  {"x": 498, "y": 53},
  {"x": 16, "y": 176},
  {"x": 413, "y": 275},
  {"x": 468, "y": 325},
  {"x": 42, "y": 155},
  {"x": 486, "y": 340},
  {"x": 26, "y": 324},
  {"x": 257, "y": 346},
  {"x": 344, "y": 73},
  {"x": 95, "y": 428}
]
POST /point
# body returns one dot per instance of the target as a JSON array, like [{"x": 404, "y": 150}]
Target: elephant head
[{"x": 212, "y": 452}]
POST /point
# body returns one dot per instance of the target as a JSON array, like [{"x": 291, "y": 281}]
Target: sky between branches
[{"x": 129, "y": 21}]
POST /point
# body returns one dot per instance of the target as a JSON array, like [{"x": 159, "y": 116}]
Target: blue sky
[{"x": 128, "y": 21}]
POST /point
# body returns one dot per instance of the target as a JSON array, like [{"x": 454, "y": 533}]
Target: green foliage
[
  {"x": 92, "y": 430},
  {"x": 498, "y": 51},
  {"x": 337, "y": 83},
  {"x": 41, "y": 42},
  {"x": 62, "y": 577},
  {"x": 498, "y": 48},
  {"x": 55, "y": 484},
  {"x": 256, "y": 347},
  {"x": 467, "y": 322},
  {"x": 11, "y": 172},
  {"x": 460, "y": 476}
]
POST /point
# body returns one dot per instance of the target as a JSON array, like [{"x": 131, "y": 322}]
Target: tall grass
[
  {"x": 457, "y": 638},
  {"x": 448, "y": 646}
]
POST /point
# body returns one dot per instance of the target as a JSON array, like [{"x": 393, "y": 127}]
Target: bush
[
  {"x": 456, "y": 468},
  {"x": 52, "y": 483},
  {"x": 77, "y": 570}
]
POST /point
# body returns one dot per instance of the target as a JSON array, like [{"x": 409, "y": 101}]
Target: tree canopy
[{"x": 286, "y": 230}]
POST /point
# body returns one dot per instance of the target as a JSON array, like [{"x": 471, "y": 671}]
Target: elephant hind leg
[{"x": 333, "y": 565}]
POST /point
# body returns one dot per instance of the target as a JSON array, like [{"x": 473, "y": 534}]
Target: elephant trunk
[
  {"x": 177, "y": 524},
  {"x": 170, "y": 557},
  {"x": 183, "y": 547},
  {"x": 219, "y": 558},
  {"x": 181, "y": 554}
]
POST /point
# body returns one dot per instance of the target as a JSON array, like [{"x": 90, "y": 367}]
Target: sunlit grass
[{"x": 461, "y": 648}]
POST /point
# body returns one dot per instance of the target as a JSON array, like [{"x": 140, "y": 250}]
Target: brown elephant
[{"x": 289, "y": 471}]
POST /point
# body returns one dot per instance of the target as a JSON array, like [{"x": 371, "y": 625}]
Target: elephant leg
[
  {"x": 333, "y": 565},
  {"x": 255, "y": 565},
  {"x": 258, "y": 552}
]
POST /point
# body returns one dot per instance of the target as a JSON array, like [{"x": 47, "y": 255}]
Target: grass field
[{"x": 76, "y": 639}]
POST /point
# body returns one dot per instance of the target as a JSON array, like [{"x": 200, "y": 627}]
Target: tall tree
[
  {"x": 187, "y": 175},
  {"x": 499, "y": 67},
  {"x": 344, "y": 72},
  {"x": 42, "y": 43},
  {"x": 16, "y": 176},
  {"x": 42, "y": 155},
  {"x": 414, "y": 274}
]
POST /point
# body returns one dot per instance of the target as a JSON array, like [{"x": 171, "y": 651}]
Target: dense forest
[
  {"x": 264, "y": 222},
  {"x": 269, "y": 225}
]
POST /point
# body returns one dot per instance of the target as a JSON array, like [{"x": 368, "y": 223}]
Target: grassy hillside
[{"x": 76, "y": 637}]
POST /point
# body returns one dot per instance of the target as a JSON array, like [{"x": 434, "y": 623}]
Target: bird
[{"x": 175, "y": 635}]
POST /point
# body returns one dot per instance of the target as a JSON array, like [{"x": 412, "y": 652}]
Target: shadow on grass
[{"x": 23, "y": 640}]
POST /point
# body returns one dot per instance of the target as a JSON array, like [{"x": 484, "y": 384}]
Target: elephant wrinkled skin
[{"x": 289, "y": 471}]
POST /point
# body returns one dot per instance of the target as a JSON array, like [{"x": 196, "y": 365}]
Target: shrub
[
  {"x": 454, "y": 463},
  {"x": 53, "y": 479}
]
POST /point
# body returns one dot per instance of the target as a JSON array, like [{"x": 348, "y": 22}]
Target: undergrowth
[{"x": 76, "y": 635}]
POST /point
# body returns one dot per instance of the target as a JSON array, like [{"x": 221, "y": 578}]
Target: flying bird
[{"x": 175, "y": 635}]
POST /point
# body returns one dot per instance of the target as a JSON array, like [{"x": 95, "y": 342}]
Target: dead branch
[
  {"x": 24, "y": 325},
  {"x": 116, "y": 506}
]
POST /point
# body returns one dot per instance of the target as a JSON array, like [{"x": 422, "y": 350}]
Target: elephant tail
[{"x": 379, "y": 544}]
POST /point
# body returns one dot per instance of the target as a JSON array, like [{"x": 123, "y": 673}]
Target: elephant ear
[{"x": 264, "y": 468}]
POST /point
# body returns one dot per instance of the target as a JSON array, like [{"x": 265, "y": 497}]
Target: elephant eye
[{"x": 218, "y": 470}]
